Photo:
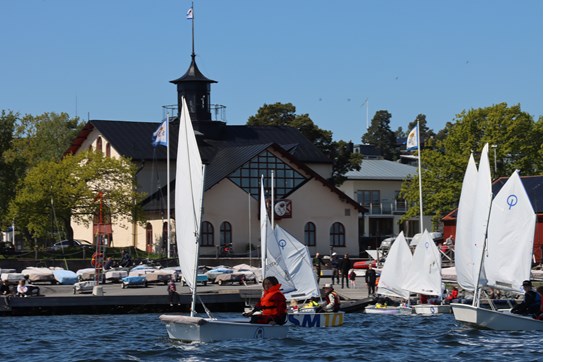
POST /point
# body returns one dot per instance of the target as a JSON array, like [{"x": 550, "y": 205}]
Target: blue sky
[{"x": 114, "y": 59}]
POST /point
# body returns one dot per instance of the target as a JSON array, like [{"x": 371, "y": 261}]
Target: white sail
[
  {"x": 188, "y": 199},
  {"x": 463, "y": 249},
  {"x": 424, "y": 275},
  {"x": 512, "y": 225},
  {"x": 298, "y": 264},
  {"x": 395, "y": 269},
  {"x": 470, "y": 268},
  {"x": 273, "y": 262}
]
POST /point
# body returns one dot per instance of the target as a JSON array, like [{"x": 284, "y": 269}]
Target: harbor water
[{"x": 363, "y": 337}]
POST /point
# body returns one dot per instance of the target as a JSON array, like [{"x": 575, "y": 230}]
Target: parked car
[
  {"x": 63, "y": 244},
  {"x": 218, "y": 270}
]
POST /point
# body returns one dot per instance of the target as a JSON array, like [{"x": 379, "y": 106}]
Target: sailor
[
  {"x": 531, "y": 303},
  {"x": 271, "y": 309},
  {"x": 331, "y": 300}
]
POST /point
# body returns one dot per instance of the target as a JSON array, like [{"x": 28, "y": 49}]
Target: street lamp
[{"x": 494, "y": 160}]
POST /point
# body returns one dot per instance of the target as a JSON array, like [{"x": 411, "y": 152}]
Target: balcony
[{"x": 388, "y": 207}]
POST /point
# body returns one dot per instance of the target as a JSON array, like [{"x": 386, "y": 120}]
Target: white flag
[
  {"x": 412, "y": 139},
  {"x": 160, "y": 136},
  {"x": 190, "y": 13}
]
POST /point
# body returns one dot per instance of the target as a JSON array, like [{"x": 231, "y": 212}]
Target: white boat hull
[
  {"x": 195, "y": 329},
  {"x": 431, "y": 309},
  {"x": 501, "y": 320},
  {"x": 371, "y": 309},
  {"x": 316, "y": 320}
]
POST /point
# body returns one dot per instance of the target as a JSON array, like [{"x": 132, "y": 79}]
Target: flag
[
  {"x": 190, "y": 13},
  {"x": 412, "y": 142},
  {"x": 160, "y": 136}
]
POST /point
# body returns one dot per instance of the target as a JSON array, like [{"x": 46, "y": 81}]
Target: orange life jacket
[{"x": 273, "y": 302}]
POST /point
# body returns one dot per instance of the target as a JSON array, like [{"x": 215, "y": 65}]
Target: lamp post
[{"x": 494, "y": 161}]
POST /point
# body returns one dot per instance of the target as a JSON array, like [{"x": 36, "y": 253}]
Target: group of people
[
  {"x": 22, "y": 289},
  {"x": 343, "y": 272}
]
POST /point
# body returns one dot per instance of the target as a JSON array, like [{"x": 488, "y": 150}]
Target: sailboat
[
  {"x": 289, "y": 260},
  {"x": 188, "y": 205},
  {"x": 501, "y": 255},
  {"x": 424, "y": 276},
  {"x": 393, "y": 274}
]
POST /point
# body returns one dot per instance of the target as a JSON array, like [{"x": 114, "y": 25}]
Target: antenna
[{"x": 366, "y": 103}]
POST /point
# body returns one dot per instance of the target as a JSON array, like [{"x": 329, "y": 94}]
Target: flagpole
[
  {"x": 168, "y": 189},
  {"x": 192, "y": 36},
  {"x": 420, "y": 186},
  {"x": 272, "y": 199}
]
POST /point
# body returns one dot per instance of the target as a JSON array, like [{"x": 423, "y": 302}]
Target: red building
[{"x": 534, "y": 186}]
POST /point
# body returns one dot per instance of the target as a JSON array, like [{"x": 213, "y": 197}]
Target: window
[
  {"x": 100, "y": 145},
  {"x": 337, "y": 237},
  {"x": 310, "y": 234},
  {"x": 108, "y": 150},
  {"x": 206, "y": 234},
  {"x": 225, "y": 233},
  {"x": 371, "y": 199},
  {"x": 285, "y": 177},
  {"x": 149, "y": 238}
]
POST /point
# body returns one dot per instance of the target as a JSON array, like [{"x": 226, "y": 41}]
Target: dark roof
[
  {"x": 133, "y": 140},
  {"x": 534, "y": 186},
  {"x": 193, "y": 74}
]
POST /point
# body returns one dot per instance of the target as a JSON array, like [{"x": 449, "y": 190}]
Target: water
[{"x": 363, "y": 337}]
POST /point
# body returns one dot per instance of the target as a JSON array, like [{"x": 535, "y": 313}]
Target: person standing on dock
[
  {"x": 317, "y": 263},
  {"x": 371, "y": 280},
  {"x": 345, "y": 267},
  {"x": 334, "y": 263}
]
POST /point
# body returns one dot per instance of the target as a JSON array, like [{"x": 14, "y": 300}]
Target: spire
[{"x": 193, "y": 86}]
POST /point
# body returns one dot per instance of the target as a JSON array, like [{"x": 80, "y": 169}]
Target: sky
[{"x": 338, "y": 61}]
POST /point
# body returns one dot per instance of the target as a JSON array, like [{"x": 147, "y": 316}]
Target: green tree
[
  {"x": 65, "y": 191},
  {"x": 9, "y": 171},
  {"x": 43, "y": 138},
  {"x": 518, "y": 141},
  {"x": 284, "y": 114},
  {"x": 380, "y": 135}
]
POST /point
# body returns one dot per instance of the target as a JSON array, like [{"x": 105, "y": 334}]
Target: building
[
  {"x": 376, "y": 186},
  {"x": 236, "y": 157}
]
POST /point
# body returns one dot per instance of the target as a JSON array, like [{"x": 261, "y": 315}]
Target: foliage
[
  {"x": 380, "y": 135},
  {"x": 279, "y": 114},
  {"x": 9, "y": 171},
  {"x": 518, "y": 139},
  {"x": 65, "y": 191}
]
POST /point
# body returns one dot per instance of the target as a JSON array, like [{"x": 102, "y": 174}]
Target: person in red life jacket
[
  {"x": 423, "y": 299},
  {"x": 331, "y": 300},
  {"x": 272, "y": 305},
  {"x": 453, "y": 295}
]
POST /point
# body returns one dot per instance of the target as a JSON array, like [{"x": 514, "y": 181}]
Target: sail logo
[
  {"x": 282, "y": 243},
  {"x": 259, "y": 334},
  {"x": 512, "y": 200}
]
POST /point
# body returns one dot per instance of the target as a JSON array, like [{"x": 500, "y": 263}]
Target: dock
[{"x": 60, "y": 299}]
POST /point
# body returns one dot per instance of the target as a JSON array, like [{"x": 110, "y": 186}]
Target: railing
[
  {"x": 387, "y": 207},
  {"x": 217, "y": 111}
]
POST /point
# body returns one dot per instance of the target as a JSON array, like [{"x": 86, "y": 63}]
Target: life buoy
[{"x": 97, "y": 260}]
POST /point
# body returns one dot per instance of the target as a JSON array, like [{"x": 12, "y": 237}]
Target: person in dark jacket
[
  {"x": 532, "y": 301},
  {"x": 371, "y": 279},
  {"x": 345, "y": 266}
]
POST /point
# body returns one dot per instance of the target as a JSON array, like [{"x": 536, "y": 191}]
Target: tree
[
  {"x": 380, "y": 135},
  {"x": 9, "y": 171},
  {"x": 66, "y": 190},
  {"x": 340, "y": 153},
  {"x": 519, "y": 145},
  {"x": 43, "y": 138}
]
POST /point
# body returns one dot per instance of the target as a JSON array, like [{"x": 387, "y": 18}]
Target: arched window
[
  {"x": 206, "y": 234},
  {"x": 310, "y": 234},
  {"x": 108, "y": 150},
  {"x": 100, "y": 145},
  {"x": 337, "y": 235},
  {"x": 225, "y": 233},
  {"x": 149, "y": 238}
]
